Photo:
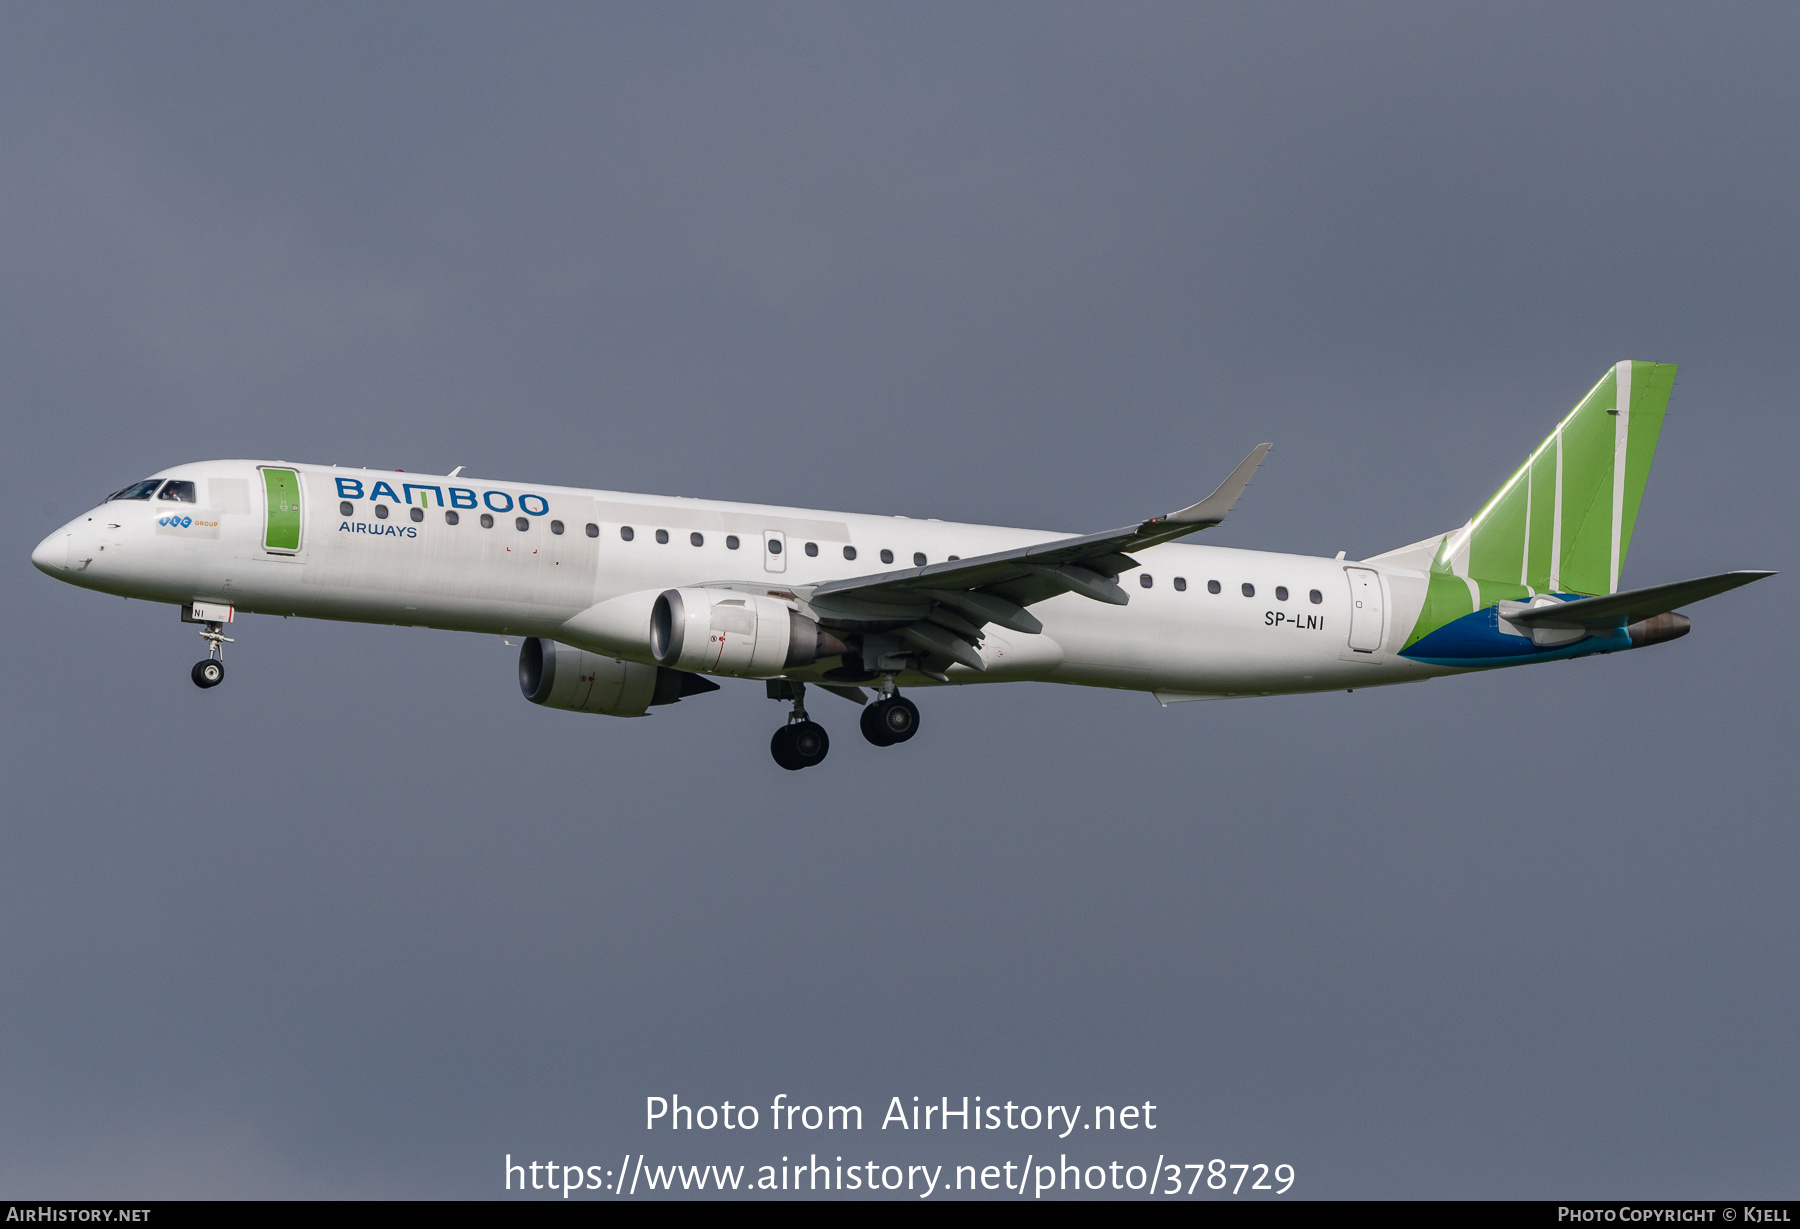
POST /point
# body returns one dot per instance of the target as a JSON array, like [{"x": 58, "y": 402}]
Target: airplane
[{"x": 625, "y": 603}]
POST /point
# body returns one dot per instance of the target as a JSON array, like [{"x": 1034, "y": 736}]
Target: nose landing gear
[
  {"x": 802, "y": 742},
  {"x": 210, "y": 671}
]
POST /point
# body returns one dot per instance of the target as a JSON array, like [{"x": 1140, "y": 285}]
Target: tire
[
  {"x": 208, "y": 673},
  {"x": 781, "y": 746},
  {"x": 874, "y": 728},
  {"x": 901, "y": 719},
  {"x": 808, "y": 742}
]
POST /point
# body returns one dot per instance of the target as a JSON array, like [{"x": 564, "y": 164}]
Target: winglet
[{"x": 1212, "y": 509}]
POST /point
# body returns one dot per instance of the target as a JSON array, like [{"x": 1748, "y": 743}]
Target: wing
[
  {"x": 943, "y": 606},
  {"x": 1615, "y": 609}
]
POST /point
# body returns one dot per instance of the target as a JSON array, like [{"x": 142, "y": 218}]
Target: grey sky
[{"x": 363, "y": 921}]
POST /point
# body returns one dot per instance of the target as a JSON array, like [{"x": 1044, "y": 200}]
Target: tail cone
[{"x": 1658, "y": 628}]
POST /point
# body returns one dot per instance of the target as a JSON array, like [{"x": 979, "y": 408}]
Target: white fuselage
[{"x": 1176, "y": 637}]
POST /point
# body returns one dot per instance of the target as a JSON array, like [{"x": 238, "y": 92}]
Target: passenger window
[
  {"x": 521, "y": 524},
  {"x": 556, "y": 527},
  {"x": 1212, "y": 586},
  {"x": 812, "y": 550},
  {"x": 1145, "y": 580},
  {"x": 381, "y": 512},
  {"x": 1315, "y": 597},
  {"x": 593, "y": 530},
  {"x": 731, "y": 541},
  {"x": 918, "y": 559},
  {"x": 887, "y": 556},
  {"x": 180, "y": 492},
  {"x": 450, "y": 518},
  {"x": 695, "y": 539},
  {"x": 1181, "y": 584},
  {"x": 662, "y": 535},
  {"x": 487, "y": 521},
  {"x": 627, "y": 532},
  {"x": 1249, "y": 589},
  {"x": 346, "y": 508},
  {"x": 849, "y": 552},
  {"x": 137, "y": 490},
  {"x": 418, "y": 514},
  {"x": 1281, "y": 593},
  {"x": 953, "y": 558},
  {"x": 774, "y": 546}
]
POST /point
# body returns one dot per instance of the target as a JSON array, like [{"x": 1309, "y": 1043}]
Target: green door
[{"x": 282, "y": 529}]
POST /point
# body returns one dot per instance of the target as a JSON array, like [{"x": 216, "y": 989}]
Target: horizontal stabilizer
[{"x": 1614, "y": 609}]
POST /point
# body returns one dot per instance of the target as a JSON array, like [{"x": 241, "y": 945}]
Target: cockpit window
[
  {"x": 180, "y": 491},
  {"x": 137, "y": 490}
]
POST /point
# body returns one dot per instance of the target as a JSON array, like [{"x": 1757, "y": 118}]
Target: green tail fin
[{"x": 1563, "y": 522}]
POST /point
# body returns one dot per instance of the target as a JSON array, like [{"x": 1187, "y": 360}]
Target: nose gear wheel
[{"x": 210, "y": 672}]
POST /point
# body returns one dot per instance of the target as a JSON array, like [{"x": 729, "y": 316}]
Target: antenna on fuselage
[{"x": 454, "y": 472}]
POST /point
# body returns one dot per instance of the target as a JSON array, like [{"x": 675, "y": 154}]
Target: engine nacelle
[
  {"x": 558, "y": 676},
  {"x": 718, "y": 631}
]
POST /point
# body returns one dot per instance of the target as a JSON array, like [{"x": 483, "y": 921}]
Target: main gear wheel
[
  {"x": 890, "y": 721},
  {"x": 800, "y": 745}
]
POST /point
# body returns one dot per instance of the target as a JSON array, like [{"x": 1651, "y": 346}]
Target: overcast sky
[{"x": 362, "y": 921}]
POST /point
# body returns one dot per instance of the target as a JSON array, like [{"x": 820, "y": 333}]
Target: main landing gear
[
  {"x": 802, "y": 742},
  {"x": 891, "y": 719}
]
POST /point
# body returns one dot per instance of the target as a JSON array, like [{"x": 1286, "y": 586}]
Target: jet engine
[
  {"x": 558, "y": 676},
  {"x": 719, "y": 631}
]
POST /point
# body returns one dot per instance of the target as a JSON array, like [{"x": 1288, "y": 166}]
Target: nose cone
[{"x": 52, "y": 554}]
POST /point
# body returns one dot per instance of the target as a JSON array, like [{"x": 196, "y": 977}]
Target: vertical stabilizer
[{"x": 1563, "y": 522}]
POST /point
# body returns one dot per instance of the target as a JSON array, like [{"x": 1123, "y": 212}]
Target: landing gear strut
[
  {"x": 212, "y": 618},
  {"x": 802, "y": 742},
  {"x": 211, "y": 671},
  {"x": 891, "y": 719}
]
